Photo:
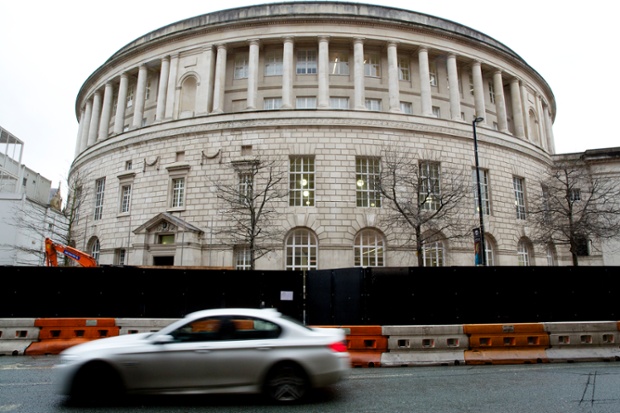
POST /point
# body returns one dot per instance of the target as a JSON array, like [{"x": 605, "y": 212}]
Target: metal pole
[{"x": 482, "y": 246}]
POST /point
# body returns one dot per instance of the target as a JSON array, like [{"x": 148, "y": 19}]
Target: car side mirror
[{"x": 163, "y": 339}]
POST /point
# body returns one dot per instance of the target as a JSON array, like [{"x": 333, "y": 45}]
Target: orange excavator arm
[{"x": 53, "y": 248}]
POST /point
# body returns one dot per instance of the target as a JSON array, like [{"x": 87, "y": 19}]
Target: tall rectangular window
[
  {"x": 130, "y": 97},
  {"x": 178, "y": 192},
  {"x": 372, "y": 65},
  {"x": 519, "y": 188},
  {"x": 484, "y": 190},
  {"x": 306, "y": 62},
  {"x": 246, "y": 184},
  {"x": 432, "y": 66},
  {"x": 338, "y": 63},
  {"x": 273, "y": 63},
  {"x": 429, "y": 187},
  {"x": 301, "y": 181},
  {"x": 491, "y": 92},
  {"x": 404, "y": 71},
  {"x": 241, "y": 66},
  {"x": 99, "y": 190},
  {"x": 367, "y": 173},
  {"x": 243, "y": 258},
  {"x": 125, "y": 198}
]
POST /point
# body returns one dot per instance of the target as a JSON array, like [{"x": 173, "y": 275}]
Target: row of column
[{"x": 96, "y": 115}]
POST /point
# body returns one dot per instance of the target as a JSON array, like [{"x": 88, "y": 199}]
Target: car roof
[{"x": 257, "y": 312}]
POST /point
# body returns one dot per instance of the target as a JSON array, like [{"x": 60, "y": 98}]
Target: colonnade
[{"x": 97, "y": 111}]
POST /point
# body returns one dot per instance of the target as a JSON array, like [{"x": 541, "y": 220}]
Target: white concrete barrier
[
  {"x": 583, "y": 341},
  {"x": 16, "y": 334},
  {"x": 425, "y": 345}
]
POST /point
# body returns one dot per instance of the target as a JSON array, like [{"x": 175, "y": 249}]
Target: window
[
  {"x": 372, "y": 65},
  {"x": 368, "y": 249},
  {"x": 429, "y": 187},
  {"x": 130, "y": 97},
  {"x": 125, "y": 198},
  {"x": 301, "y": 181},
  {"x": 406, "y": 107},
  {"x": 301, "y": 250},
  {"x": 523, "y": 254},
  {"x": 436, "y": 111},
  {"x": 273, "y": 63},
  {"x": 243, "y": 258},
  {"x": 147, "y": 93},
  {"x": 178, "y": 192},
  {"x": 99, "y": 190},
  {"x": 339, "y": 103},
  {"x": 551, "y": 255},
  {"x": 120, "y": 256},
  {"x": 95, "y": 250},
  {"x": 272, "y": 103},
  {"x": 404, "y": 72},
  {"x": 575, "y": 195},
  {"x": 338, "y": 63},
  {"x": 518, "y": 184},
  {"x": 489, "y": 255},
  {"x": 433, "y": 254},
  {"x": 128, "y": 165},
  {"x": 241, "y": 66},
  {"x": 491, "y": 92},
  {"x": 306, "y": 62},
  {"x": 471, "y": 84},
  {"x": 373, "y": 104},
  {"x": 432, "y": 68},
  {"x": 582, "y": 247},
  {"x": 367, "y": 173},
  {"x": 484, "y": 190},
  {"x": 306, "y": 102},
  {"x": 246, "y": 184}
]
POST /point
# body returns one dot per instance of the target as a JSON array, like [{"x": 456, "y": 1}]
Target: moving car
[{"x": 240, "y": 350}]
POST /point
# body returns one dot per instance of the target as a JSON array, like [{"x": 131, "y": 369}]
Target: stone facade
[{"x": 330, "y": 82}]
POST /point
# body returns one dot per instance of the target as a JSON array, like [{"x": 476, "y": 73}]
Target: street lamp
[{"x": 482, "y": 247}]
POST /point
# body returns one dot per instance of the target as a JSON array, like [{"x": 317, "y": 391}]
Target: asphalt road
[{"x": 26, "y": 386}]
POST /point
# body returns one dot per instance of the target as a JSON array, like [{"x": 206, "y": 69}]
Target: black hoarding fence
[{"x": 348, "y": 296}]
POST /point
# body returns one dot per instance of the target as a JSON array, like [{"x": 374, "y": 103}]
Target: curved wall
[{"x": 330, "y": 82}]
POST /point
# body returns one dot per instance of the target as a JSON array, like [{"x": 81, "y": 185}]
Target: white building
[
  {"x": 324, "y": 87},
  {"x": 29, "y": 207}
]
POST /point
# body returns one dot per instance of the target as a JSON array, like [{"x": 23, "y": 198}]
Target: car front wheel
[{"x": 286, "y": 383}]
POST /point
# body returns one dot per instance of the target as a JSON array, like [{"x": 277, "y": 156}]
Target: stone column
[
  {"x": 138, "y": 110},
  {"x": 549, "y": 130},
  {"x": 78, "y": 141},
  {"x": 253, "y": 74},
  {"x": 94, "y": 119},
  {"x": 500, "y": 101},
  {"x": 220, "y": 80},
  {"x": 425, "y": 82},
  {"x": 453, "y": 84},
  {"x": 358, "y": 74},
  {"x": 104, "y": 124},
  {"x": 476, "y": 71},
  {"x": 526, "y": 117},
  {"x": 88, "y": 113},
  {"x": 121, "y": 105},
  {"x": 393, "y": 87},
  {"x": 208, "y": 75},
  {"x": 164, "y": 72},
  {"x": 287, "y": 73},
  {"x": 517, "y": 108},
  {"x": 323, "y": 100},
  {"x": 171, "y": 92}
]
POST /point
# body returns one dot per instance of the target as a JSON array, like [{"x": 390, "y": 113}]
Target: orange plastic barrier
[
  {"x": 57, "y": 334},
  {"x": 366, "y": 344},
  {"x": 522, "y": 343}
]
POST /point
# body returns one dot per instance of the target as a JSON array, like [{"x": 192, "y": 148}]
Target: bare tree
[
  {"x": 425, "y": 198},
  {"x": 574, "y": 206},
  {"x": 249, "y": 205}
]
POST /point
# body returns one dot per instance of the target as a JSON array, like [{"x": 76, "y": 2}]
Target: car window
[{"x": 227, "y": 328}]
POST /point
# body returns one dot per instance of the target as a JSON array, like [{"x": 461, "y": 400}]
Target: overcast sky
[{"x": 49, "y": 48}]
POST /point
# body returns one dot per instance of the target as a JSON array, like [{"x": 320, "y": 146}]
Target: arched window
[
  {"x": 489, "y": 250},
  {"x": 433, "y": 253},
  {"x": 369, "y": 249},
  {"x": 551, "y": 255},
  {"x": 95, "y": 249},
  {"x": 523, "y": 253},
  {"x": 188, "y": 96},
  {"x": 301, "y": 250}
]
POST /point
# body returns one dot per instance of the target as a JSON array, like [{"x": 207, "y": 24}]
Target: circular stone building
[{"x": 266, "y": 135}]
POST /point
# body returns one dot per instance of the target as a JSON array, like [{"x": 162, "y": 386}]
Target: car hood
[{"x": 109, "y": 344}]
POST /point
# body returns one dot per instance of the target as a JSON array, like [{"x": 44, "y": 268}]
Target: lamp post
[{"x": 480, "y": 212}]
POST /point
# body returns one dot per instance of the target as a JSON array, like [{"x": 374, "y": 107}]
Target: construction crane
[{"x": 53, "y": 248}]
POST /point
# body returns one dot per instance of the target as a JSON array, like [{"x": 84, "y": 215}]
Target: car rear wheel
[{"x": 286, "y": 383}]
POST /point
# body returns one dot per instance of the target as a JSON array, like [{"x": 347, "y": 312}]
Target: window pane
[
  {"x": 367, "y": 173},
  {"x": 301, "y": 181}
]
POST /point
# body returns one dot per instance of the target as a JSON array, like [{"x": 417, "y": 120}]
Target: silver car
[{"x": 238, "y": 350}]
